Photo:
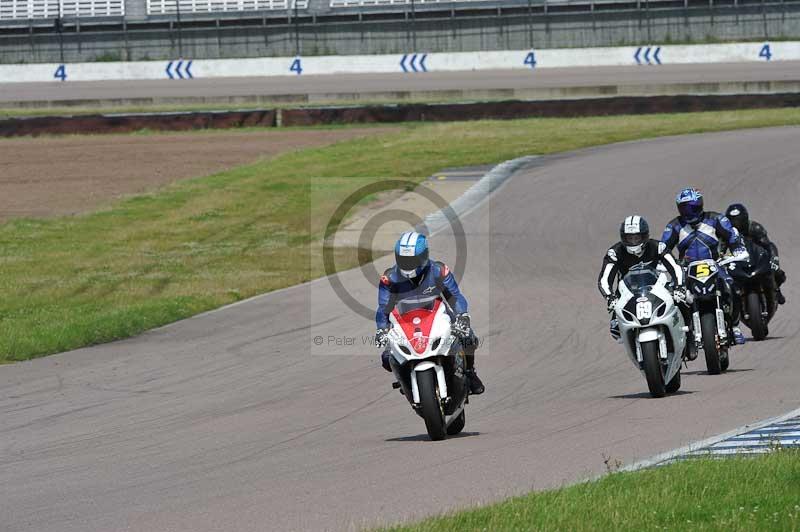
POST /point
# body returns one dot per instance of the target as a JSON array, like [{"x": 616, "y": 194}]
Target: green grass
[
  {"x": 202, "y": 243},
  {"x": 740, "y": 493}
]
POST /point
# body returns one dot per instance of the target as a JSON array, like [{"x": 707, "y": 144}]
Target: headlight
[
  {"x": 435, "y": 344},
  {"x": 405, "y": 350}
]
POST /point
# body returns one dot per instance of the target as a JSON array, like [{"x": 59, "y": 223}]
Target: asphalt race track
[
  {"x": 382, "y": 83},
  {"x": 234, "y": 421}
]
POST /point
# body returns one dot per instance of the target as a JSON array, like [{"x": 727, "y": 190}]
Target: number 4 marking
[
  {"x": 765, "y": 52},
  {"x": 61, "y": 73},
  {"x": 296, "y": 67},
  {"x": 530, "y": 60}
]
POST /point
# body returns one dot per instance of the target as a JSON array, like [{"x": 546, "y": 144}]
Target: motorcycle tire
[
  {"x": 457, "y": 425},
  {"x": 431, "y": 404},
  {"x": 724, "y": 361},
  {"x": 756, "y": 322},
  {"x": 675, "y": 384},
  {"x": 708, "y": 326},
  {"x": 653, "y": 369}
]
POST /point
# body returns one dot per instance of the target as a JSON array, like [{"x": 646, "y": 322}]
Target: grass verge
[
  {"x": 742, "y": 493},
  {"x": 202, "y": 243}
]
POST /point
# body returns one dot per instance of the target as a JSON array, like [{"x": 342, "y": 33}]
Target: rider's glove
[
  {"x": 381, "y": 338},
  {"x": 611, "y": 302},
  {"x": 775, "y": 264},
  {"x": 679, "y": 295},
  {"x": 740, "y": 254},
  {"x": 461, "y": 326}
]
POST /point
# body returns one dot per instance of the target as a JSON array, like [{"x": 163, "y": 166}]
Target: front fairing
[
  {"x": 438, "y": 342},
  {"x": 644, "y": 300},
  {"x": 702, "y": 277},
  {"x": 753, "y": 269},
  {"x": 642, "y": 308}
]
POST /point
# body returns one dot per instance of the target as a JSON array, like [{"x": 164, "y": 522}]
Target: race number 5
[
  {"x": 703, "y": 270},
  {"x": 61, "y": 73},
  {"x": 765, "y": 53}
]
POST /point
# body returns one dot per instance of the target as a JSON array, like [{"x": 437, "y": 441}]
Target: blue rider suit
[{"x": 435, "y": 279}]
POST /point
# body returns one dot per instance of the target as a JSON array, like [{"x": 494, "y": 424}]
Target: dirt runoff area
[{"x": 42, "y": 177}]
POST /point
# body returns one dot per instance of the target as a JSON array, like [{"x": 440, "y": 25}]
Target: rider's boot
[
  {"x": 474, "y": 382},
  {"x": 690, "y": 352},
  {"x": 738, "y": 337},
  {"x": 779, "y": 297},
  {"x": 385, "y": 357},
  {"x": 613, "y": 328}
]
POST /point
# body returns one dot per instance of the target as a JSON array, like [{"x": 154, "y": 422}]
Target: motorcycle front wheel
[
  {"x": 756, "y": 322},
  {"x": 708, "y": 326},
  {"x": 431, "y": 404},
  {"x": 653, "y": 369}
]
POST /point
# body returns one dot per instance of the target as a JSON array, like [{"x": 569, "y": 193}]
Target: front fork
[{"x": 722, "y": 329}]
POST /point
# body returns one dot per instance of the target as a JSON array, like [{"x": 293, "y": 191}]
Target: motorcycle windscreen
[{"x": 640, "y": 279}]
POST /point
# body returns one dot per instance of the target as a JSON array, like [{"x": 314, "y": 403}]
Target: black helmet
[
  {"x": 634, "y": 234},
  {"x": 739, "y": 217}
]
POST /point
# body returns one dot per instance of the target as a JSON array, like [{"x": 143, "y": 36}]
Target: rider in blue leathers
[
  {"x": 702, "y": 235},
  {"x": 416, "y": 277}
]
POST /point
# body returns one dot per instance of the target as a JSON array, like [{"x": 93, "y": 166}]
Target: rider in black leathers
[
  {"x": 751, "y": 229},
  {"x": 634, "y": 248}
]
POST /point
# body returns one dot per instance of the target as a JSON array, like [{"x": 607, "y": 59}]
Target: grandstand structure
[{"x": 101, "y": 30}]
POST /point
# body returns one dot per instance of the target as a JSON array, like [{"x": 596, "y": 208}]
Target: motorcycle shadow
[
  {"x": 425, "y": 437},
  {"x": 646, "y": 395},
  {"x": 704, "y": 372}
]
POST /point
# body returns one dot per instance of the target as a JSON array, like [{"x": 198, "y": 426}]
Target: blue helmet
[
  {"x": 411, "y": 254},
  {"x": 690, "y": 205}
]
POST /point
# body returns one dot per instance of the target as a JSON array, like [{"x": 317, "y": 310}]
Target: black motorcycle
[
  {"x": 755, "y": 286},
  {"x": 711, "y": 314}
]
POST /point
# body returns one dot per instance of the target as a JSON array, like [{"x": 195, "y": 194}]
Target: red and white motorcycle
[{"x": 429, "y": 364}]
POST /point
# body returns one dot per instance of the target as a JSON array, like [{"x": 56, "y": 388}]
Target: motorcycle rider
[
  {"x": 699, "y": 234},
  {"x": 415, "y": 276},
  {"x": 740, "y": 218},
  {"x": 635, "y": 247}
]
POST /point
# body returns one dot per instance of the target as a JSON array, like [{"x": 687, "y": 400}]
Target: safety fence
[
  {"x": 170, "y": 7},
  {"x": 51, "y": 9}
]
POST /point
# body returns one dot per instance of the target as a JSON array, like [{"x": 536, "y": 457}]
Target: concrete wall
[
  {"x": 278, "y": 38},
  {"x": 413, "y": 65}
]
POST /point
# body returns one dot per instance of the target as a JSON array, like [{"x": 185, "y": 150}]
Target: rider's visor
[
  {"x": 411, "y": 263},
  {"x": 690, "y": 211},
  {"x": 634, "y": 239}
]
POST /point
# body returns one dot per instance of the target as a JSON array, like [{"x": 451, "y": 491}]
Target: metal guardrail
[
  {"x": 188, "y": 7},
  {"x": 52, "y": 9}
]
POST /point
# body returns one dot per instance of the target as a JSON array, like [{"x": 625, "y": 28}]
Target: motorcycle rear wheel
[
  {"x": 431, "y": 404},
  {"x": 675, "y": 384},
  {"x": 757, "y": 325},
  {"x": 457, "y": 425},
  {"x": 653, "y": 369},
  {"x": 708, "y": 326}
]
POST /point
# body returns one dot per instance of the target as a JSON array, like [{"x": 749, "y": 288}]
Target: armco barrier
[
  {"x": 392, "y": 114},
  {"x": 98, "y": 124},
  {"x": 531, "y": 109},
  {"x": 184, "y": 70}
]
